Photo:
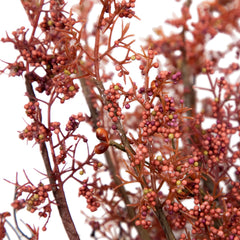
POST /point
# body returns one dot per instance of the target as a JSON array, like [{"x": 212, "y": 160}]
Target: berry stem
[
  {"x": 57, "y": 192},
  {"x": 129, "y": 150},
  {"x": 130, "y": 210}
]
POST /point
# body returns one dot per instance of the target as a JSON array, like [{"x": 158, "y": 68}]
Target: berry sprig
[
  {"x": 37, "y": 199},
  {"x": 92, "y": 202},
  {"x": 35, "y": 131},
  {"x": 74, "y": 122},
  {"x": 112, "y": 96},
  {"x": 148, "y": 202}
]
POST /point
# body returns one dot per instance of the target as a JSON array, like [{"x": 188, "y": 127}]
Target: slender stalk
[
  {"x": 130, "y": 210},
  {"x": 188, "y": 80},
  {"x": 164, "y": 223},
  {"x": 58, "y": 192},
  {"x": 159, "y": 212},
  {"x": 15, "y": 231},
  {"x": 190, "y": 99}
]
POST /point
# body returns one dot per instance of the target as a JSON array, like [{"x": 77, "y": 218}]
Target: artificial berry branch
[
  {"x": 148, "y": 128},
  {"x": 57, "y": 191}
]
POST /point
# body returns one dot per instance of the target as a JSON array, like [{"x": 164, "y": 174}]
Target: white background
[{"x": 16, "y": 155}]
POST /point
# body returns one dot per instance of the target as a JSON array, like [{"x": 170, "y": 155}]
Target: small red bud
[{"x": 101, "y": 148}]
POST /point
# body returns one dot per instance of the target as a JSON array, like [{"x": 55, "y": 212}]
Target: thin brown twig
[
  {"x": 129, "y": 150},
  {"x": 58, "y": 193}
]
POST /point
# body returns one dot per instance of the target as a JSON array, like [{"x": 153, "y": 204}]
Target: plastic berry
[
  {"x": 101, "y": 148},
  {"x": 102, "y": 134}
]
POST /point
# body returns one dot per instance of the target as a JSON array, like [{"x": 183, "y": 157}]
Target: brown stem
[
  {"x": 188, "y": 81},
  {"x": 87, "y": 94},
  {"x": 58, "y": 192},
  {"x": 190, "y": 97},
  {"x": 164, "y": 223},
  {"x": 130, "y": 210},
  {"x": 159, "y": 212}
]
